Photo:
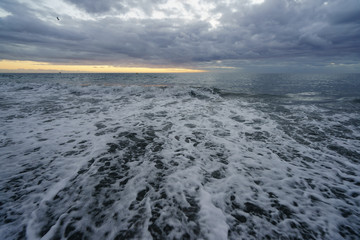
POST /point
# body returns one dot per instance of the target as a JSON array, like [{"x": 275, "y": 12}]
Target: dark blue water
[{"x": 179, "y": 156}]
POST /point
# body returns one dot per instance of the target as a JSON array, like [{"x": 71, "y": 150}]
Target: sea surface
[{"x": 180, "y": 156}]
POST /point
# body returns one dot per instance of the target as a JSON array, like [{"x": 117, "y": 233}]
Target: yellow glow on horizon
[{"x": 34, "y": 67}]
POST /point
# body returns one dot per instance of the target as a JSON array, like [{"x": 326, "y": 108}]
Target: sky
[{"x": 177, "y": 36}]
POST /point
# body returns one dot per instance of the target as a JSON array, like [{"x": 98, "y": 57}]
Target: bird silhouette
[{"x": 58, "y": 18}]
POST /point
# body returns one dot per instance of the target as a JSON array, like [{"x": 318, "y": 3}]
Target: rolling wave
[{"x": 167, "y": 162}]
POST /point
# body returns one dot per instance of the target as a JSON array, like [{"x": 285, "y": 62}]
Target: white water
[{"x": 170, "y": 162}]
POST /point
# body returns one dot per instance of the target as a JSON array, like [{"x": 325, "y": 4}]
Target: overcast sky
[{"x": 249, "y": 35}]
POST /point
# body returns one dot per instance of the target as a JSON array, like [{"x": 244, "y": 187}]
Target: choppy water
[{"x": 194, "y": 157}]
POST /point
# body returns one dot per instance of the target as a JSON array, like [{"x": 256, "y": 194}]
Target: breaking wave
[{"x": 157, "y": 162}]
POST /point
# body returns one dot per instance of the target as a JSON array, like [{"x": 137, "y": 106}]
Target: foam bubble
[{"x": 136, "y": 162}]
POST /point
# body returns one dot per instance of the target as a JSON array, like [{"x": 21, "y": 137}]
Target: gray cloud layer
[{"x": 275, "y": 31}]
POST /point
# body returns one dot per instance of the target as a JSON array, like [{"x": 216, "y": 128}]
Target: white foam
[
  {"x": 212, "y": 218},
  {"x": 149, "y": 162}
]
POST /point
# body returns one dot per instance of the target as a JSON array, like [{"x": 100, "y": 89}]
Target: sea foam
[{"x": 130, "y": 162}]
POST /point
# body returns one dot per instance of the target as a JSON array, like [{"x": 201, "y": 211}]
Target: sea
[{"x": 216, "y": 155}]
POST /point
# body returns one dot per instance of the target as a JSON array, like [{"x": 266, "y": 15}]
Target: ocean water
[{"x": 180, "y": 156}]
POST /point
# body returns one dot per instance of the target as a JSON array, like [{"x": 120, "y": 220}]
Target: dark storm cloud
[
  {"x": 274, "y": 30},
  {"x": 97, "y": 7}
]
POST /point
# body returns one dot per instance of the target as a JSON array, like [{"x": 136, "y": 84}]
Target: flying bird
[{"x": 58, "y": 18}]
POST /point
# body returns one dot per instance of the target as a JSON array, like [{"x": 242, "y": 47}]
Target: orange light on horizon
[{"x": 17, "y": 66}]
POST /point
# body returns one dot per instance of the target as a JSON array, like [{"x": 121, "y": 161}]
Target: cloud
[
  {"x": 116, "y": 6},
  {"x": 96, "y": 6},
  {"x": 169, "y": 32}
]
